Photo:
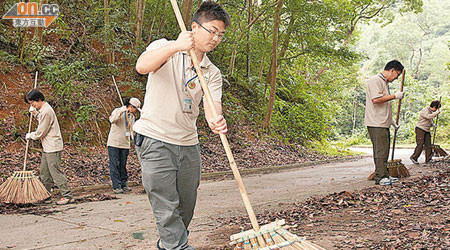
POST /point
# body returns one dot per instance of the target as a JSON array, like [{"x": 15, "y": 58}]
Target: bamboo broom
[
  {"x": 270, "y": 236},
  {"x": 23, "y": 187},
  {"x": 436, "y": 149}
]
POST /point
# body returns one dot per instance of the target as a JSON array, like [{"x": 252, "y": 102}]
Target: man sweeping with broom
[
  {"x": 52, "y": 145},
  {"x": 166, "y": 135},
  {"x": 423, "y": 135},
  {"x": 378, "y": 118}
]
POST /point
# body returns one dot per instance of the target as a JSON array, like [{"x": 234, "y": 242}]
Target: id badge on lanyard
[
  {"x": 187, "y": 98},
  {"x": 127, "y": 133}
]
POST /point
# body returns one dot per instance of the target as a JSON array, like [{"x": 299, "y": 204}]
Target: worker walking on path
[{"x": 122, "y": 120}]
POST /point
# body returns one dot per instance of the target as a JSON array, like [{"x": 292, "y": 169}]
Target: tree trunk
[
  {"x": 39, "y": 31},
  {"x": 140, "y": 11},
  {"x": 261, "y": 68},
  {"x": 266, "y": 124},
  {"x": 108, "y": 50},
  {"x": 249, "y": 19},
  {"x": 186, "y": 12}
]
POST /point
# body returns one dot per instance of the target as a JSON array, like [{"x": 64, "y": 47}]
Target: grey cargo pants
[{"x": 171, "y": 176}]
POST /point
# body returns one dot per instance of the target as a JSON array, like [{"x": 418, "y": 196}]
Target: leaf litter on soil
[{"x": 412, "y": 214}]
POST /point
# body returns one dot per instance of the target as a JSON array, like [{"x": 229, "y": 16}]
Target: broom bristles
[
  {"x": 23, "y": 187},
  {"x": 275, "y": 237},
  {"x": 398, "y": 169}
]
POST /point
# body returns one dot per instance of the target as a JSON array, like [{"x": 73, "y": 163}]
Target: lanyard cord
[{"x": 184, "y": 76}]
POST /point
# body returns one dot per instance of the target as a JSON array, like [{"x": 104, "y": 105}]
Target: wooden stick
[
  {"x": 435, "y": 128},
  {"x": 223, "y": 137},
  {"x": 29, "y": 128},
  {"x": 398, "y": 114},
  {"x": 117, "y": 88}
]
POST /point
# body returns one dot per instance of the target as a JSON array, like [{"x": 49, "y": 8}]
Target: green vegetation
[{"x": 325, "y": 50}]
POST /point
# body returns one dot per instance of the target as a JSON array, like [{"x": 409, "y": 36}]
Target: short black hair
[
  {"x": 126, "y": 101},
  {"x": 209, "y": 11},
  {"x": 436, "y": 104},
  {"x": 34, "y": 95},
  {"x": 394, "y": 64}
]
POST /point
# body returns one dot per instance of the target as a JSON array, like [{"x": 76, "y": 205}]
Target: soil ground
[{"x": 111, "y": 224}]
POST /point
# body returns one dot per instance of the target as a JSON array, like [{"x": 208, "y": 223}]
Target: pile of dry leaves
[{"x": 412, "y": 214}]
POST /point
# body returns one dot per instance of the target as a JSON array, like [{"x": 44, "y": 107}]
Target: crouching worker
[
  {"x": 423, "y": 135},
  {"x": 52, "y": 145},
  {"x": 122, "y": 121}
]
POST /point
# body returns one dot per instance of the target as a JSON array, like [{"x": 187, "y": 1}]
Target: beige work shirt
[
  {"x": 162, "y": 115},
  {"x": 426, "y": 119},
  {"x": 48, "y": 130},
  {"x": 377, "y": 115},
  {"x": 119, "y": 134}
]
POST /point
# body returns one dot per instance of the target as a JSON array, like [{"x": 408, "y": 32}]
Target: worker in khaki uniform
[
  {"x": 378, "y": 117},
  {"x": 122, "y": 121},
  {"x": 167, "y": 142},
  {"x": 423, "y": 135},
  {"x": 52, "y": 144}
]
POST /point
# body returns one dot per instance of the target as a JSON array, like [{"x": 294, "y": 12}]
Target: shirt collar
[
  {"x": 382, "y": 77},
  {"x": 204, "y": 64}
]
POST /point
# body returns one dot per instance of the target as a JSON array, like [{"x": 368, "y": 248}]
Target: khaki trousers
[
  {"x": 380, "y": 140},
  {"x": 50, "y": 172},
  {"x": 423, "y": 139}
]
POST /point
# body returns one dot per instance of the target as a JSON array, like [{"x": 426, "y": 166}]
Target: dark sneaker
[
  {"x": 126, "y": 189},
  {"x": 118, "y": 191},
  {"x": 413, "y": 160},
  {"x": 430, "y": 162},
  {"x": 64, "y": 201},
  {"x": 158, "y": 245}
]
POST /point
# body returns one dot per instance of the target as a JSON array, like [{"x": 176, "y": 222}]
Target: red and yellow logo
[{"x": 30, "y": 15}]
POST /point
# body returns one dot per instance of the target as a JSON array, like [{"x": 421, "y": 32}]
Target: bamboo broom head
[
  {"x": 398, "y": 169},
  {"x": 23, "y": 187},
  {"x": 271, "y": 236}
]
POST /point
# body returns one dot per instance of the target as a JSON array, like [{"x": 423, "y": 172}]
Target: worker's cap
[{"x": 136, "y": 103}]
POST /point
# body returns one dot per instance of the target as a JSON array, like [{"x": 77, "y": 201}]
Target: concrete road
[{"x": 110, "y": 224}]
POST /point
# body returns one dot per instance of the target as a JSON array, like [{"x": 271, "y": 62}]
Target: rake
[
  {"x": 270, "y": 236},
  {"x": 23, "y": 187}
]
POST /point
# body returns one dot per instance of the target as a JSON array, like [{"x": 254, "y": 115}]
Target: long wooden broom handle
[
  {"x": 435, "y": 128},
  {"x": 121, "y": 101},
  {"x": 29, "y": 128},
  {"x": 117, "y": 88},
  {"x": 223, "y": 137},
  {"x": 398, "y": 114}
]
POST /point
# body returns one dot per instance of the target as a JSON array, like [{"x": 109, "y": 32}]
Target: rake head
[{"x": 271, "y": 236}]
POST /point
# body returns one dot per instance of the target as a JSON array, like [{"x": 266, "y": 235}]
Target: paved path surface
[{"x": 110, "y": 224}]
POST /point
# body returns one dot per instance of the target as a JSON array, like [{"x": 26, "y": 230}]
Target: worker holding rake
[
  {"x": 423, "y": 135},
  {"x": 167, "y": 142},
  {"x": 52, "y": 145},
  {"x": 378, "y": 118}
]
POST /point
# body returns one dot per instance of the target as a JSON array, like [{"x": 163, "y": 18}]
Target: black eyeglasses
[{"x": 214, "y": 33}]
